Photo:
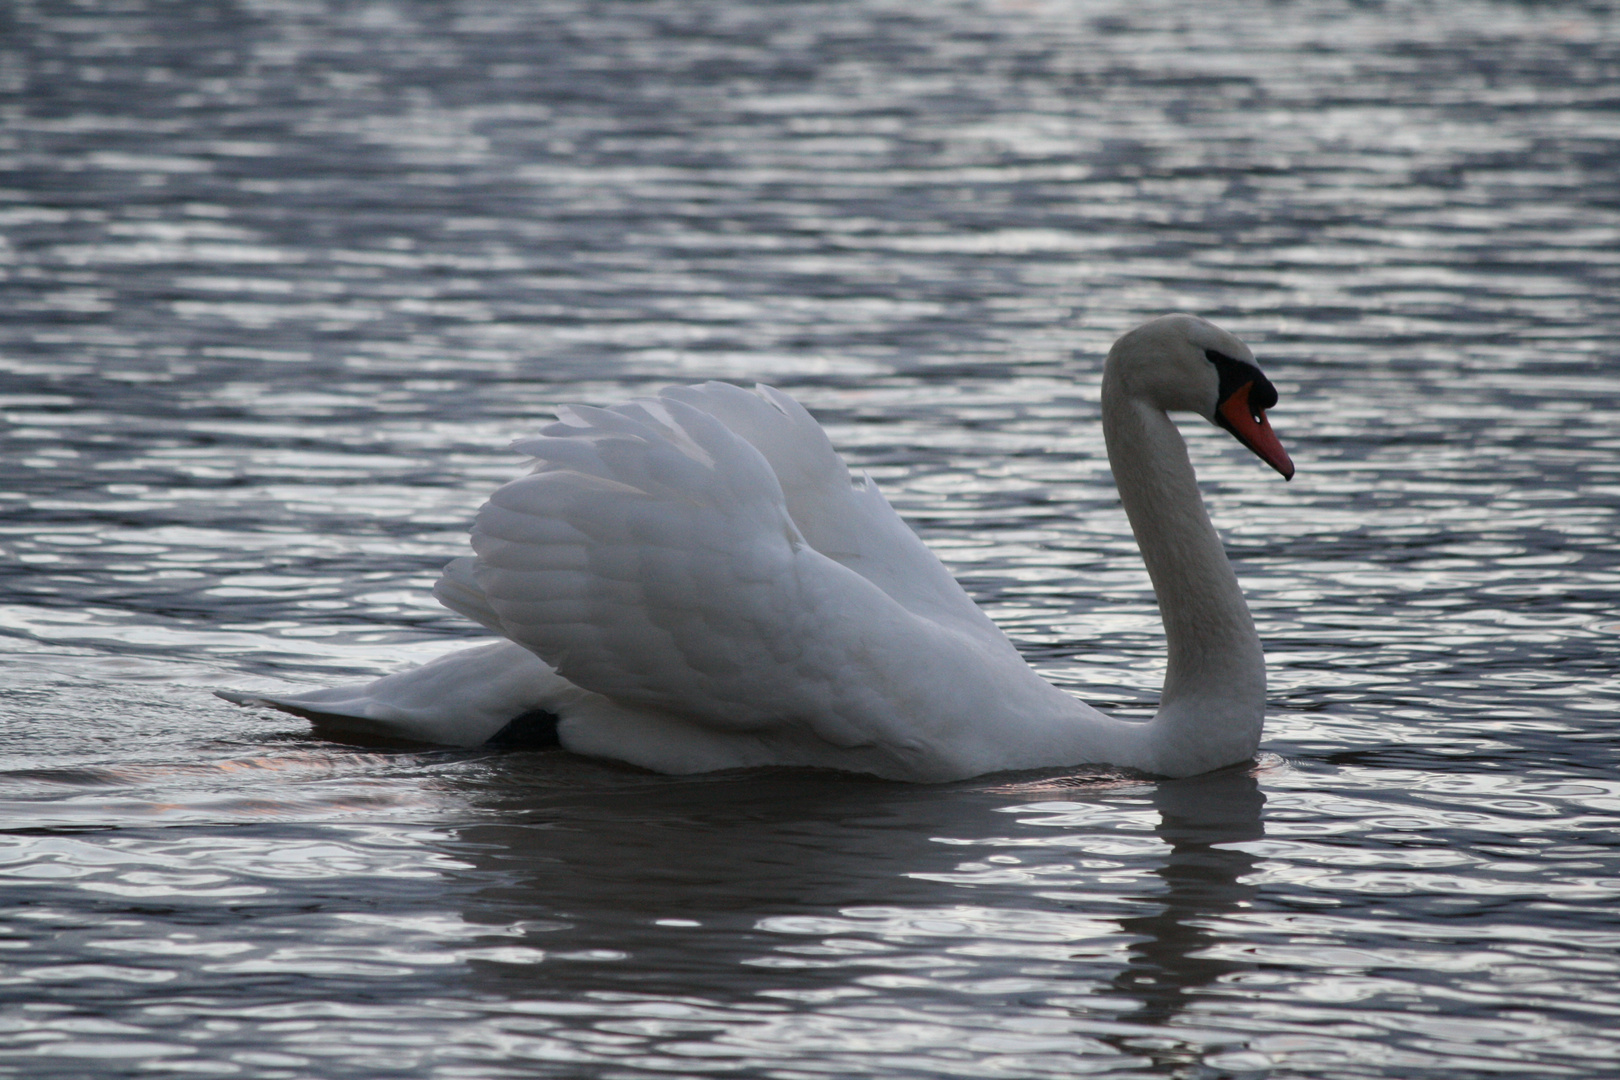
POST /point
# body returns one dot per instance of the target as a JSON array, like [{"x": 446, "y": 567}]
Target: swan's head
[{"x": 1182, "y": 363}]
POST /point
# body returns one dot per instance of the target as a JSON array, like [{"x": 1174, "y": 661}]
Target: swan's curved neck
[{"x": 1215, "y": 686}]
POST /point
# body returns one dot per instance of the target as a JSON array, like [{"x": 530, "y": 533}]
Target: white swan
[{"x": 694, "y": 582}]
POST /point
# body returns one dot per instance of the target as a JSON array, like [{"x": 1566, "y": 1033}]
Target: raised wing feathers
[
  {"x": 846, "y": 519},
  {"x": 706, "y": 555}
]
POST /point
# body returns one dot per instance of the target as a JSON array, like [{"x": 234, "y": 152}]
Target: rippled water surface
[{"x": 281, "y": 279}]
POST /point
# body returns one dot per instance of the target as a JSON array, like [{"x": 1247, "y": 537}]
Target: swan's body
[{"x": 695, "y": 582}]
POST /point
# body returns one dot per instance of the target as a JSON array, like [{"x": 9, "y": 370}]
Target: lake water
[{"x": 282, "y": 278}]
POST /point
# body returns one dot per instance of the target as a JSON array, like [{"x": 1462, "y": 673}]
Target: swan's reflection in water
[
  {"x": 743, "y": 900},
  {"x": 1204, "y": 878}
]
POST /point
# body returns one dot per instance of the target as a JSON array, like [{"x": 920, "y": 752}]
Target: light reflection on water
[{"x": 282, "y": 282}]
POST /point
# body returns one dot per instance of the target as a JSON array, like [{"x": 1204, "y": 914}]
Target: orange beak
[{"x": 1252, "y": 430}]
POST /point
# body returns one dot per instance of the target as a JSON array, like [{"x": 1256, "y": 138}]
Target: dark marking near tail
[{"x": 533, "y": 730}]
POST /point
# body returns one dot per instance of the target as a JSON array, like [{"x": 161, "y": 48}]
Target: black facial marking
[{"x": 1236, "y": 374}]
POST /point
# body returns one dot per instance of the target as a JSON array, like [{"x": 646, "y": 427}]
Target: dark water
[{"x": 281, "y": 280}]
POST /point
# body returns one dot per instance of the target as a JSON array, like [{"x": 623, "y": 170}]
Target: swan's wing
[
  {"x": 651, "y": 558},
  {"x": 846, "y": 519}
]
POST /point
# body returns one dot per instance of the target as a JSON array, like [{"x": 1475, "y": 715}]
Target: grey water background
[{"x": 282, "y": 278}]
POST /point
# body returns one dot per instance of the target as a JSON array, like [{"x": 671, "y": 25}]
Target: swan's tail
[{"x": 465, "y": 698}]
